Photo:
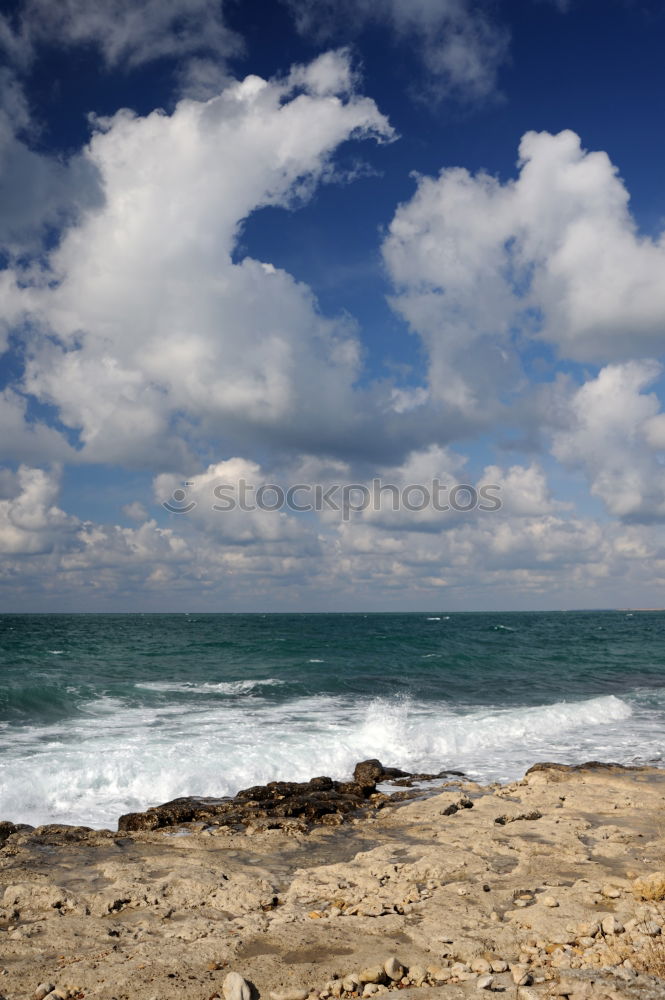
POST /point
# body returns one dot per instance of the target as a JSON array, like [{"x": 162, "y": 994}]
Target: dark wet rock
[
  {"x": 286, "y": 804},
  {"x": 275, "y": 789},
  {"x": 454, "y": 807},
  {"x": 590, "y": 765},
  {"x": 276, "y": 804},
  {"x": 533, "y": 815},
  {"x": 370, "y": 772},
  {"x": 411, "y": 780},
  {"x": 7, "y": 829}
]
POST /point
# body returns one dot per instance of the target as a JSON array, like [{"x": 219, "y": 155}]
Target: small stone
[
  {"x": 498, "y": 965},
  {"x": 350, "y": 983},
  {"x": 610, "y": 892},
  {"x": 550, "y": 901},
  {"x": 393, "y": 969},
  {"x": 236, "y": 988},
  {"x": 417, "y": 975},
  {"x": 439, "y": 973},
  {"x": 651, "y": 928},
  {"x": 370, "y": 989},
  {"x": 481, "y": 966},
  {"x": 521, "y": 975},
  {"x": 458, "y": 969},
  {"x": 485, "y": 982},
  {"x": 290, "y": 995},
  {"x": 43, "y": 990},
  {"x": 373, "y": 974},
  {"x": 611, "y": 925},
  {"x": 589, "y": 930}
]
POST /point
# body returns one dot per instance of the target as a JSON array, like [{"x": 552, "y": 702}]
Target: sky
[{"x": 341, "y": 245}]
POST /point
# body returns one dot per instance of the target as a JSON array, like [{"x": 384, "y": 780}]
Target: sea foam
[{"x": 119, "y": 758}]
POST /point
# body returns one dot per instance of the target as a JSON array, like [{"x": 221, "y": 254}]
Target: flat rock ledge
[{"x": 550, "y": 886}]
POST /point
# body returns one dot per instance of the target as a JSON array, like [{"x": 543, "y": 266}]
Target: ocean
[{"x": 106, "y": 714}]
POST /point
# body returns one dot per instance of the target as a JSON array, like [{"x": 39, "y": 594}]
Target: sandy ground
[{"x": 550, "y": 886}]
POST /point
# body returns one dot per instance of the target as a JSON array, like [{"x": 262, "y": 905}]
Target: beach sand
[{"x": 549, "y": 886}]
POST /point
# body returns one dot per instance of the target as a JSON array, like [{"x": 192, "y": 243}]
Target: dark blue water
[{"x": 100, "y": 714}]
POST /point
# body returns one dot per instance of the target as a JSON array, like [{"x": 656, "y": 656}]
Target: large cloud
[
  {"x": 154, "y": 332},
  {"x": 481, "y": 266},
  {"x": 128, "y": 34}
]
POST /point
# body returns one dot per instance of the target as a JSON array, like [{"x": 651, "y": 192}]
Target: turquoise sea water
[{"x": 102, "y": 714}]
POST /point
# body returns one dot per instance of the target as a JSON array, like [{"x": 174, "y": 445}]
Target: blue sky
[{"x": 322, "y": 243}]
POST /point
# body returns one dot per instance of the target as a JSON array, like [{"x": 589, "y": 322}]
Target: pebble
[
  {"x": 550, "y": 901},
  {"x": 485, "y": 982},
  {"x": 417, "y": 975},
  {"x": 290, "y": 995},
  {"x": 439, "y": 973},
  {"x": 393, "y": 969},
  {"x": 610, "y": 892},
  {"x": 373, "y": 974},
  {"x": 611, "y": 925},
  {"x": 481, "y": 966},
  {"x": 521, "y": 975},
  {"x": 42, "y": 990},
  {"x": 459, "y": 969},
  {"x": 237, "y": 988},
  {"x": 651, "y": 928},
  {"x": 498, "y": 965}
]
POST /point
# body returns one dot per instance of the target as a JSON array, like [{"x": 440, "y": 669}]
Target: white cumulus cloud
[
  {"x": 480, "y": 267},
  {"x": 155, "y": 334}
]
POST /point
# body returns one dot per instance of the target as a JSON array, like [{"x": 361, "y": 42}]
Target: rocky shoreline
[{"x": 550, "y": 886}]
